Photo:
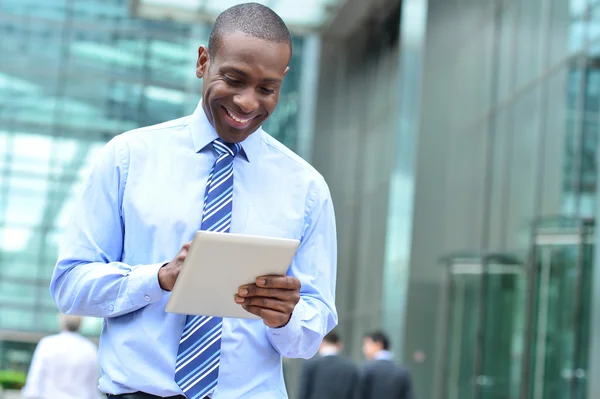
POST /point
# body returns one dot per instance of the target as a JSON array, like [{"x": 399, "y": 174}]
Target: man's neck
[
  {"x": 383, "y": 355},
  {"x": 328, "y": 351}
]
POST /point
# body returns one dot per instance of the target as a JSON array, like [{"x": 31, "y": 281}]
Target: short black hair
[
  {"x": 253, "y": 19},
  {"x": 332, "y": 338},
  {"x": 379, "y": 337}
]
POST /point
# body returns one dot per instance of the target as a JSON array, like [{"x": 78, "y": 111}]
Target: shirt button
[
  {"x": 147, "y": 298},
  {"x": 111, "y": 307}
]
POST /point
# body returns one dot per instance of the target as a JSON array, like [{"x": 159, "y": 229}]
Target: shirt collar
[
  {"x": 384, "y": 355},
  {"x": 204, "y": 133},
  {"x": 328, "y": 351}
]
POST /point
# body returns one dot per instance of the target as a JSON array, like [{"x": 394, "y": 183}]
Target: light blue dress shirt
[{"x": 142, "y": 201}]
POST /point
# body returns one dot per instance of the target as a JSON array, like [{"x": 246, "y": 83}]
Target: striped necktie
[{"x": 197, "y": 366}]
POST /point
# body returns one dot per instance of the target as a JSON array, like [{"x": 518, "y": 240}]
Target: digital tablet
[{"x": 217, "y": 264}]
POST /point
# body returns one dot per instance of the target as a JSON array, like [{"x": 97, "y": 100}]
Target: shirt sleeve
[
  {"x": 34, "y": 388},
  {"x": 89, "y": 279},
  {"x": 315, "y": 265}
]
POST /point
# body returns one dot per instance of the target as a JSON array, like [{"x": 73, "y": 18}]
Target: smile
[{"x": 235, "y": 118}]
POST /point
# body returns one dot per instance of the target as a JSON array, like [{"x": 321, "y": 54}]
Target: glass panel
[
  {"x": 589, "y": 146},
  {"x": 312, "y": 13},
  {"x": 503, "y": 334},
  {"x": 462, "y": 335},
  {"x": 15, "y": 319},
  {"x": 501, "y": 141},
  {"x": 16, "y": 355},
  {"x": 523, "y": 163},
  {"x": 554, "y": 339},
  {"x": 506, "y": 42},
  {"x": 490, "y": 368},
  {"x": 566, "y": 29},
  {"x": 555, "y": 137},
  {"x": 580, "y": 374},
  {"x": 529, "y": 35},
  {"x": 560, "y": 332}
]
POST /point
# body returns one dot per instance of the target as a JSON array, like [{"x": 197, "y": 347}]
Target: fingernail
[
  {"x": 243, "y": 291},
  {"x": 261, "y": 281},
  {"x": 239, "y": 300}
]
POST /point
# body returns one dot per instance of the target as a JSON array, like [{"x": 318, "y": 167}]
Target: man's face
[
  {"x": 370, "y": 348},
  {"x": 241, "y": 84}
]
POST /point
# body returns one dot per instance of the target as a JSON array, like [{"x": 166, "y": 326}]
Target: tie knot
[{"x": 223, "y": 147}]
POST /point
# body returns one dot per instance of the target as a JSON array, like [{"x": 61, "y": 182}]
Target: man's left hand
[{"x": 273, "y": 298}]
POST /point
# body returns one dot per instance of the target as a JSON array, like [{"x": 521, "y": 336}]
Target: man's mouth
[{"x": 235, "y": 118}]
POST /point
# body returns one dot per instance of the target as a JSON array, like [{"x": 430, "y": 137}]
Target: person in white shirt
[{"x": 64, "y": 366}]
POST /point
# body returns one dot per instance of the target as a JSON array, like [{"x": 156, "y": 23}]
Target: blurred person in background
[
  {"x": 329, "y": 375},
  {"x": 380, "y": 376},
  {"x": 150, "y": 190},
  {"x": 64, "y": 366}
]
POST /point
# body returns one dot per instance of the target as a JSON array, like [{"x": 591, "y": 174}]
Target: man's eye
[
  {"x": 232, "y": 81},
  {"x": 267, "y": 91}
]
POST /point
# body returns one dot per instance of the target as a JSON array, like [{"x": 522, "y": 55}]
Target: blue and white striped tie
[{"x": 197, "y": 366}]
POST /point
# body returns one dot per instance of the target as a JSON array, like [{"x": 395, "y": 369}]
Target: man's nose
[{"x": 246, "y": 100}]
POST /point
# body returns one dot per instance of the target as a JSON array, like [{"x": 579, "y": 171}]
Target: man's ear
[{"x": 203, "y": 62}]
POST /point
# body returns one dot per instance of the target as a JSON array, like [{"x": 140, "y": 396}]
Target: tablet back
[{"x": 217, "y": 264}]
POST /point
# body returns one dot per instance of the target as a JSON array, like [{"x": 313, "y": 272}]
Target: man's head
[
  {"x": 374, "y": 343},
  {"x": 70, "y": 323},
  {"x": 248, "y": 53},
  {"x": 331, "y": 343}
]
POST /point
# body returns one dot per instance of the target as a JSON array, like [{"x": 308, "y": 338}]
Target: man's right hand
[{"x": 167, "y": 275}]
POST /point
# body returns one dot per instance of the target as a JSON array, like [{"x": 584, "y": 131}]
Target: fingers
[
  {"x": 267, "y": 303},
  {"x": 273, "y": 298},
  {"x": 252, "y": 291},
  {"x": 282, "y": 282},
  {"x": 168, "y": 274},
  {"x": 182, "y": 254},
  {"x": 271, "y": 318},
  {"x": 185, "y": 248}
]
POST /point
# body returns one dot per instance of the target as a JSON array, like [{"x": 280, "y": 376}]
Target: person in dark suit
[
  {"x": 329, "y": 375},
  {"x": 381, "y": 377}
]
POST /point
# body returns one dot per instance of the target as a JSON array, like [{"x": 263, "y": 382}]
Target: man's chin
[{"x": 233, "y": 135}]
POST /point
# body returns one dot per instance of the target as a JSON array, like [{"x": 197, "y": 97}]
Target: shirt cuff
[
  {"x": 146, "y": 288},
  {"x": 283, "y": 336}
]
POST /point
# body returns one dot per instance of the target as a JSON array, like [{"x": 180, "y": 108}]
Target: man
[
  {"x": 381, "y": 378},
  {"x": 150, "y": 191},
  {"x": 329, "y": 375},
  {"x": 64, "y": 365}
]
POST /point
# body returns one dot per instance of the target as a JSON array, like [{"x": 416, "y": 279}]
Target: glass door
[
  {"x": 561, "y": 291},
  {"x": 484, "y": 327}
]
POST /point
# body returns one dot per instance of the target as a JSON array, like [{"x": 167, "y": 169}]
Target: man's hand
[
  {"x": 273, "y": 298},
  {"x": 167, "y": 275}
]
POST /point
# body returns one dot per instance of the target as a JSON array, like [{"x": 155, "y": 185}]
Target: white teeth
[{"x": 238, "y": 120}]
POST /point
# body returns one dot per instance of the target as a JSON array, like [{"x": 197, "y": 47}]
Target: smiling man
[{"x": 151, "y": 189}]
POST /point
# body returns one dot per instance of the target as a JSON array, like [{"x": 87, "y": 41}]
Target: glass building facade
[
  {"x": 502, "y": 256},
  {"x": 73, "y": 74},
  {"x": 470, "y": 236}
]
